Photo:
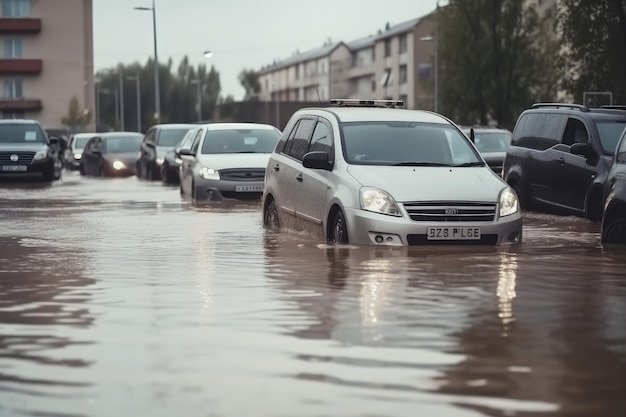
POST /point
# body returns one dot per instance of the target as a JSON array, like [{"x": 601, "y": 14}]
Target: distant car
[
  {"x": 171, "y": 164},
  {"x": 111, "y": 154},
  {"x": 227, "y": 160},
  {"x": 614, "y": 218},
  {"x": 159, "y": 140},
  {"x": 74, "y": 151},
  {"x": 364, "y": 172},
  {"x": 27, "y": 151},
  {"x": 492, "y": 143}
]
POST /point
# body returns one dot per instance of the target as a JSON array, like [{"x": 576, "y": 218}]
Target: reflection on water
[{"x": 122, "y": 298}]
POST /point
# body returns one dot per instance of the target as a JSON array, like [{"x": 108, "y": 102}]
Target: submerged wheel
[
  {"x": 521, "y": 197},
  {"x": 270, "y": 216},
  {"x": 615, "y": 232},
  {"x": 339, "y": 229}
]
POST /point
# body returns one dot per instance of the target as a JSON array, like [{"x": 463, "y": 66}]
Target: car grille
[
  {"x": 243, "y": 174},
  {"x": 442, "y": 211},
  {"x": 23, "y": 158}
]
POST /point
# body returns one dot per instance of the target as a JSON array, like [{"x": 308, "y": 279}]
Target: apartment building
[
  {"x": 396, "y": 63},
  {"x": 46, "y": 58}
]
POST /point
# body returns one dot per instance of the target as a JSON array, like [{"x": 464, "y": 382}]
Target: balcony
[
  {"x": 9, "y": 25},
  {"x": 20, "y": 66},
  {"x": 20, "y": 104}
]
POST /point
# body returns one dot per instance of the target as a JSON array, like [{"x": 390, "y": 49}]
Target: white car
[
  {"x": 364, "y": 172},
  {"x": 227, "y": 160}
]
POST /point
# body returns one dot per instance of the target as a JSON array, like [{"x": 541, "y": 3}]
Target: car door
[
  {"x": 188, "y": 163},
  {"x": 88, "y": 158}
]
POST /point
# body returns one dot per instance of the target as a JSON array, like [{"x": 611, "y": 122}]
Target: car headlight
[
  {"x": 178, "y": 160},
  {"x": 118, "y": 165},
  {"x": 77, "y": 156},
  {"x": 42, "y": 154},
  {"x": 508, "y": 202},
  {"x": 209, "y": 174},
  {"x": 378, "y": 201},
  {"x": 159, "y": 161}
]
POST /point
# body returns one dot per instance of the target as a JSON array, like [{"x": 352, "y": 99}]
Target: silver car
[
  {"x": 364, "y": 173},
  {"x": 227, "y": 160}
]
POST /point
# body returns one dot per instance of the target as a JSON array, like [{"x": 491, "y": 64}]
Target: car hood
[
  {"x": 22, "y": 147},
  {"x": 235, "y": 160},
  {"x": 128, "y": 158},
  {"x": 431, "y": 183}
]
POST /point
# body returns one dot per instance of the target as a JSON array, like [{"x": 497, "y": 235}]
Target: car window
[
  {"x": 123, "y": 143},
  {"x": 80, "y": 141},
  {"x": 149, "y": 138},
  {"x": 539, "y": 130},
  {"x": 575, "y": 132},
  {"x": 298, "y": 145},
  {"x": 188, "y": 139},
  {"x": 90, "y": 145},
  {"x": 492, "y": 141},
  {"x": 21, "y": 133},
  {"x": 621, "y": 152},
  {"x": 609, "y": 133},
  {"x": 390, "y": 143},
  {"x": 322, "y": 139},
  {"x": 287, "y": 133},
  {"x": 240, "y": 141},
  {"x": 196, "y": 142},
  {"x": 171, "y": 137}
]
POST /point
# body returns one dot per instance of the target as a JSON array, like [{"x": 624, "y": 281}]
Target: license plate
[
  {"x": 248, "y": 188},
  {"x": 14, "y": 168},
  {"x": 453, "y": 233}
]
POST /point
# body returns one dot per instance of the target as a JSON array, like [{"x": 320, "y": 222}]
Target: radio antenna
[{"x": 318, "y": 95}]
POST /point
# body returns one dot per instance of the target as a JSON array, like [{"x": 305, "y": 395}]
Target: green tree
[
  {"x": 594, "y": 37},
  {"x": 249, "y": 80},
  {"x": 77, "y": 119},
  {"x": 495, "y": 58}
]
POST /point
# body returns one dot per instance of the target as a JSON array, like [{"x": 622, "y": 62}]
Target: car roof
[
  {"x": 380, "y": 114},
  {"x": 596, "y": 113},
  {"x": 485, "y": 129},
  {"x": 85, "y": 135},
  {"x": 234, "y": 126},
  {"x": 117, "y": 134},
  {"x": 19, "y": 121},
  {"x": 166, "y": 126}
]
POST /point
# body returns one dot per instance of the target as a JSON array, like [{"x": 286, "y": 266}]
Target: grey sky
[{"x": 241, "y": 33}]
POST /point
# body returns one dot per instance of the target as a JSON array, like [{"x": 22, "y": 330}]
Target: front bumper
[
  {"x": 367, "y": 228},
  {"x": 34, "y": 169},
  {"x": 220, "y": 189}
]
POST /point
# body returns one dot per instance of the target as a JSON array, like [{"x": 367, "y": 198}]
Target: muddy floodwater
[{"x": 119, "y": 298}]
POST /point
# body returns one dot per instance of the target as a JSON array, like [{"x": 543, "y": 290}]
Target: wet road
[{"x": 118, "y": 298}]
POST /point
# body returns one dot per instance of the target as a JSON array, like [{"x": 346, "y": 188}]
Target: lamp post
[
  {"x": 106, "y": 91},
  {"x": 157, "y": 84},
  {"x": 138, "y": 98},
  {"x": 121, "y": 78},
  {"x": 198, "y": 84}
]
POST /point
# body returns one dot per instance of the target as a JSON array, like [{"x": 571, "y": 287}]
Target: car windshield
[
  {"x": 406, "y": 143},
  {"x": 240, "y": 141},
  {"x": 171, "y": 137},
  {"x": 21, "y": 133},
  {"x": 610, "y": 133},
  {"x": 492, "y": 141},
  {"x": 81, "y": 141},
  {"x": 123, "y": 144}
]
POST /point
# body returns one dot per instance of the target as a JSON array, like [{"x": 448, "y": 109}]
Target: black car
[
  {"x": 111, "y": 154},
  {"x": 170, "y": 170},
  {"x": 492, "y": 143},
  {"x": 560, "y": 156},
  {"x": 27, "y": 151},
  {"x": 614, "y": 219},
  {"x": 159, "y": 140}
]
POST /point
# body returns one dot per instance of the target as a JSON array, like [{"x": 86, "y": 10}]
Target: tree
[
  {"x": 76, "y": 119},
  {"x": 495, "y": 58},
  {"x": 594, "y": 38},
  {"x": 249, "y": 80}
]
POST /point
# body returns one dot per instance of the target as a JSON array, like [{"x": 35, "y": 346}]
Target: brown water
[{"x": 118, "y": 298}]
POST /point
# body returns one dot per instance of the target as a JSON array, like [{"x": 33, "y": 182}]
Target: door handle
[
  {"x": 299, "y": 178},
  {"x": 276, "y": 168},
  {"x": 561, "y": 161}
]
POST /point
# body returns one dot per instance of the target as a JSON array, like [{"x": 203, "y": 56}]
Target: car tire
[
  {"x": 338, "y": 232},
  {"x": 595, "y": 209},
  {"x": 270, "y": 216},
  {"x": 615, "y": 232},
  {"x": 166, "y": 177},
  {"x": 521, "y": 196}
]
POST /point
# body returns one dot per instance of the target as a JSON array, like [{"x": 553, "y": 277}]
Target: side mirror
[
  {"x": 582, "y": 149},
  {"x": 186, "y": 152},
  {"x": 317, "y": 160},
  {"x": 472, "y": 135},
  {"x": 150, "y": 145}
]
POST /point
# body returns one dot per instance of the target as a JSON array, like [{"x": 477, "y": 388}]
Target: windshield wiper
[
  {"x": 419, "y": 164},
  {"x": 470, "y": 164}
]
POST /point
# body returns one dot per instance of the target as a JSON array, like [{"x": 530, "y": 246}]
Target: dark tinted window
[
  {"x": 300, "y": 142},
  {"x": 123, "y": 144},
  {"x": 171, "y": 137},
  {"x": 188, "y": 139},
  {"x": 539, "y": 130},
  {"x": 21, "y": 133},
  {"x": 575, "y": 132},
  {"x": 81, "y": 141},
  {"x": 492, "y": 141},
  {"x": 610, "y": 132},
  {"x": 287, "y": 133},
  {"x": 240, "y": 141},
  {"x": 621, "y": 152}
]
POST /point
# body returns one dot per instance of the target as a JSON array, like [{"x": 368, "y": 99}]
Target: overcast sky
[{"x": 241, "y": 33}]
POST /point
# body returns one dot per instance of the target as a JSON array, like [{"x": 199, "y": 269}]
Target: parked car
[
  {"x": 27, "y": 151},
  {"x": 74, "y": 151},
  {"x": 171, "y": 162},
  {"x": 111, "y": 154},
  {"x": 159, "y": 140},
  {"x": 614, "y": 219},
  {"x": 492, "y": 143},
  {"x": 362, "y": 174},
  {"x": 227, "y": 160},
  {"x": 560, "y": 156}
]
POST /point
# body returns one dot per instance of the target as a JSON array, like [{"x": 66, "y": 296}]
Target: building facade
[
  {"x": 46, "y": 59},
  {"x": 397, "y": 64}
]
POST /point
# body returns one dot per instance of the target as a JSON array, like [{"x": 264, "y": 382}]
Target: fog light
[
  {"x": 514, "y": 237},
  {"x": 379, "y": 239},
  {"x": 389, "y": 239}
]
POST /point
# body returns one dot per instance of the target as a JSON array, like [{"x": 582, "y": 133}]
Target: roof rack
[
  {"x": 348, "y": 102},
  {"x": 614, "y": 106},
  {"x": 580, "y": 107}
]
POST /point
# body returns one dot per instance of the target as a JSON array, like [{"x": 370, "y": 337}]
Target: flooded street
[{"x": 119, "y": 298}]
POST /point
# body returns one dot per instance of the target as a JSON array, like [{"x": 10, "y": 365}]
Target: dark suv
[
  {"x": 614, "y": 219},
  {"x": 560, "y": 156},
  {"x": 27, "y": 151}
]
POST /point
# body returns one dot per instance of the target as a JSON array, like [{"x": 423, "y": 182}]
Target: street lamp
[
  {"x": 157, "y": 84},
  {"x": 121, "y": 79},
  {"x": 198, "y": 84},
  {"x": 138, "y": 98},
  {"x": 115, "y": 93}
]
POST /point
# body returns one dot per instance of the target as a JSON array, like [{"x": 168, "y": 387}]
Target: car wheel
[
  {"x": 615, "y": 232},
  {"x": 595, "y": 209},
  {"x": 166, "y": 176},
  {"x": 270, "y": 216},
  {"x": 521, "y": 197},
  {"x": 81, "y": 169},
  {"x": 339, "y": 229}
]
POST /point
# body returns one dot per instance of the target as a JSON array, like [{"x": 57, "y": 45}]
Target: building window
[
  {"x": 13, "y": 89},
  {"x": 402, "y": 74},
  {"x": 403, "y": 44},
  {"x": 13, "y": 115},
  {"x": 13, "y": 48},
  {"x": 424, "y": 72},
  {"x": 387, "y": 47},
  {"x": 387, "y": 78},
  {"x": 15, "y": 8}
]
